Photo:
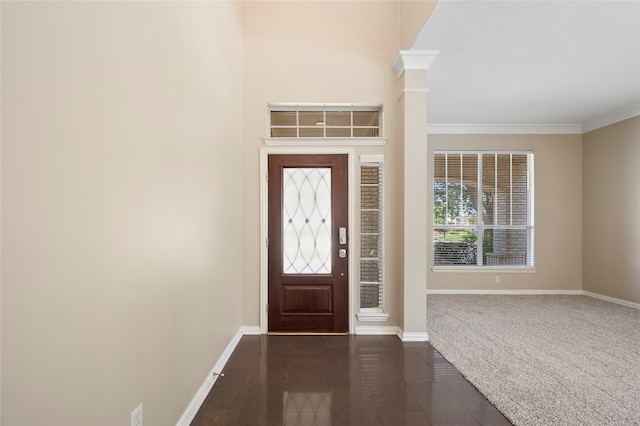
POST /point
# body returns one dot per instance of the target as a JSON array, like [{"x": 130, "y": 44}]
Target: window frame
[
  {"x": 373, "y": 313},
  {"x": 529, "y": 227},
  {"x": 324, "y": 108}
]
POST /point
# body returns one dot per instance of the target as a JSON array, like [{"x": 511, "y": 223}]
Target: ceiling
[{"x": 545, "y": 63}]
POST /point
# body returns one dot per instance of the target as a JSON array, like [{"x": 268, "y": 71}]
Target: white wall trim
[
  {"x": 612, "y": 299},
  {"x": 414, "y": 60},
  {"x": 191, "y": 411},
  {"x": 497, "y": 129},
  {"x": 377, "y": 330},
  {"x": 264, "y": 204},
  {"x": 325, "y": 141},
  {"x": 373, "y": 158},
  {"x": 250, "y": 330},
  {"x": 413, "y": 337},
  {"x": 372, "y": 316},
  {"x": 611, "y": 118},
  {"x": 506, "y": 292}
]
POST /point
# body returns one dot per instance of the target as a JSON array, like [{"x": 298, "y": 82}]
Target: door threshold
[{"x": 303, "y": 333}]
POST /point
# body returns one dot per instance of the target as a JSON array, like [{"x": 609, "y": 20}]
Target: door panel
[{"x": 308, "y": 276}]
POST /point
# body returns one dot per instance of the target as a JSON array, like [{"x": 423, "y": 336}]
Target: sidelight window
[{"x": 371, "y": 234}]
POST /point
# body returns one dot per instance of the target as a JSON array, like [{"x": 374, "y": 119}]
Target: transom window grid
[
  {"x": 483, "y": 209},
  {"x": 371, "y": 237},
  {"x": 317, "y": 123}
]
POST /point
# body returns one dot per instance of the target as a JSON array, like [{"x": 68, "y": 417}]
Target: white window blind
[
  {"x": 371, "y": 234},
  {"x": 483, "y": 209}
]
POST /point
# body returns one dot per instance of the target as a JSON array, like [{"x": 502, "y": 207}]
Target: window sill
[
  {"x": 482, "y": 270},
  {"x": 372, "y": 316}
]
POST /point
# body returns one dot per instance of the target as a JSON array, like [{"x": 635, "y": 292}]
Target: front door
[{"x": 308, "y": 264}]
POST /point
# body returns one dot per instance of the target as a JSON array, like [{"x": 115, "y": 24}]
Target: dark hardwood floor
[{"x": 342, "y": 380}]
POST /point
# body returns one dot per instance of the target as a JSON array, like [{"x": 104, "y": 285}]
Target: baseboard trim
[
  {"x": 506, "y": 292},
  {"x": 539, "y": 292},
  {"x": 377, "y": 330},
  {"x": 191, "y": 411},
  {"x": 250, "y": 330},
  {"x": 414, "y": 337},
  {"x": 612, "y": 299}
]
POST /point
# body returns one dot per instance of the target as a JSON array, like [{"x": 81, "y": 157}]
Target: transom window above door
[{"x": 349, "y": 123}]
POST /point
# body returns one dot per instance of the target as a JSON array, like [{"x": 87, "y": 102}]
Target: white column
[{"x": 412, "y": 66}]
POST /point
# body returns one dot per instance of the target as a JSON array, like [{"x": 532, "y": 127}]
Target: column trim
[{"x": 414, "y": 60}]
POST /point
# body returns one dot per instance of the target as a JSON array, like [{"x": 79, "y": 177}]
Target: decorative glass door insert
[{"x": 306, "y": 220}]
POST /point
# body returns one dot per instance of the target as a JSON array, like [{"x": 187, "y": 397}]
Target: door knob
[{"x": 342, "y": 253}]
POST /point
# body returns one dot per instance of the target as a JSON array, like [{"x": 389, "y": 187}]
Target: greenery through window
[{"x": 483, "y": 209}]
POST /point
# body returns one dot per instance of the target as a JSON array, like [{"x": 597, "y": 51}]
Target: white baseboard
[
  {"x": 513, "y": 292},
  {"x": 414, "y": 337},
  {"x": 377, "y": 330},
  {"x": 534, "y": 292},
  {"x": 198, "y": 399},
  {"x": 250, "y": 330},
  {"x": 612, "y": 299}
]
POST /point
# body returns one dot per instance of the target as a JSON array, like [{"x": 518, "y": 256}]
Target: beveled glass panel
[
  {"x": 370, "y": 222},
  {"x": 370, "y": 271},
  {"x": 338, "y": 133},
  {"x": 369, "y": 246},
  {"x": 284, "y": 132},
  {"x": 366, "y": 132},
  {"x": 283, "y": 118},
  {"x": 370, "y": 175},
  {"x": 339, "y": 118},
  {"x": 310, "y": 118},
  {"x": 311, "y": 132},
  {"x": 370, "y": 197},
  {"x": 370, "y": 295},
  {"x": 306, "y": 220},
  {"x": 366, "y": 118}
]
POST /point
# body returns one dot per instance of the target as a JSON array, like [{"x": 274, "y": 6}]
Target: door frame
[{"x": 264, "y": 222}]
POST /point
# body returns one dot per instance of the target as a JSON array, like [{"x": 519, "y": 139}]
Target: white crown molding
[
  {"x": 611, "y": 118},
  {"x": 497, "y": 129},
  {"x": 294, "y": 106},
  {"x": 366, "y": 158},
  {"x": 414, "y": 60},
  {"x": 325, "y": 141}
]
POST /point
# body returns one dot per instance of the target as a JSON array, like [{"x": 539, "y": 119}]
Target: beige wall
[
  {"x": 558, "y": 213},
  {"x": 611, "y": 211},
  {"x": 413, "y": 14},
  {"x": 329, "y": 52},
  {"x": 121, "y": 159}
]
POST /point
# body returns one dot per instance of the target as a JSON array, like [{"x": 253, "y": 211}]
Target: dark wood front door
[{"x": 308, "y": 257}]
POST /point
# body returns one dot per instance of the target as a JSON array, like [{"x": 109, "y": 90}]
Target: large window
[{"x": 483, "y": 209}]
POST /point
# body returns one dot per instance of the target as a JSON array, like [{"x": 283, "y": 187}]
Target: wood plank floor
[{"x": 342, "y": 380}]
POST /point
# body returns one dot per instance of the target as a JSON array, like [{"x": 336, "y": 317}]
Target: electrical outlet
[
  {"x": 497, "y": 279},
  {"x": 136, "y": 416}
]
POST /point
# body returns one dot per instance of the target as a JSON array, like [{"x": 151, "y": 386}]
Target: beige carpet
[{"x": 544, "y": 360}]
